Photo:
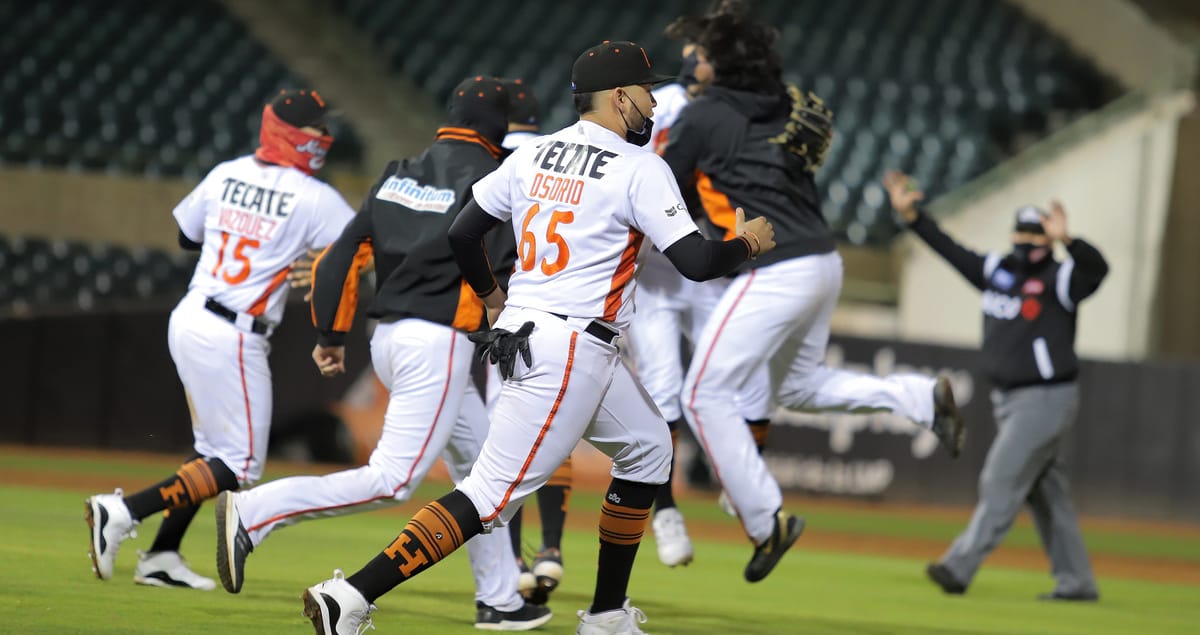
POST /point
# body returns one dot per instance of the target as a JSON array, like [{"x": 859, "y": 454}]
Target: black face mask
[
  {"x": 687, "y": 72},
  {"x": 638, "y": 137},
  {"x": 1029, "y": 255}
]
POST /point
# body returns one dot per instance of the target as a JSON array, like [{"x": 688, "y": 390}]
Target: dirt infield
[{"x": 816, "y": 538}]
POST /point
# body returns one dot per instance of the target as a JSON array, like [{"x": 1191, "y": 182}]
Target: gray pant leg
[
  {"x": 1054, "y": 515},
  {"x": 1028, "y": 426}
]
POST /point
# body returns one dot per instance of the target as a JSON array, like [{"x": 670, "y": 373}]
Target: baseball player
[
  {"x": 1029, "y": 304},
  {"x": 581, "y": 201},
  {"x": 671, "y": 306},
  {"x": 547, "y": 572},
  {"x": 756, "y": 143},
  {"x": 250, "y": 218},
  {"x": 419, "y": 350}
]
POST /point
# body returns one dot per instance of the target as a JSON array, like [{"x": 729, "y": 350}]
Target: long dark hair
[{"x": 741, "y": 51}]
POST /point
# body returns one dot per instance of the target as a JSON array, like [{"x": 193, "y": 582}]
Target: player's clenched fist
[
  {"x": 757, "y": 231},
  {"x": 330, "y": 360},
  {"x": 903, "y": 192}
]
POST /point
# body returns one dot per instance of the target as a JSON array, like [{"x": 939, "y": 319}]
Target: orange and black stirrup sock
[
  {"x": 552, "y": 505},
  {"x": 665, "y": 497},
  {"x": 622, "y": 521},
  {"x": 174, "y": 525},
  {"x": 433, "y": 533},
  {"x": 197, "y": 480},
  {"x": 759, "y": 429}
]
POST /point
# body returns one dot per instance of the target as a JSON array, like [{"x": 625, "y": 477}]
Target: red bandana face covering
[{"x": 284, "y": 144}]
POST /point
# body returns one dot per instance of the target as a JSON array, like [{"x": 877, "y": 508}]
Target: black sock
[
  {"x": 197, "y": 480},
  {"x": 435, "y": 531},
  {"x": 552, "y": 506},
  {"x": 622, "y": 521},
  {"x": 759, "y": 429},
  {"x": 664, "y": 498},
  {"x": 174, "y": 525},
  {"x": 514, "y": 533}
]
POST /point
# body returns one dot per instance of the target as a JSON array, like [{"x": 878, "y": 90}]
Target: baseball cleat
[
  {"x": 529, "y": 616},
  {"x": 109, "y": 523},
  {"x": 941, "y": 576},
  {"x": 233, "y": 543},
  {"x": 622, "y": 621},
  {"x": 787, "y": 529},
  {"x": 169, "y": 569},
  {"x": 336, "y": 608},
  {"x": 548, "y": 568},
  {"x": 948, "y": 422},
  {"x": 671, "y": 537},
  {"x": 1063, "y": 596}
]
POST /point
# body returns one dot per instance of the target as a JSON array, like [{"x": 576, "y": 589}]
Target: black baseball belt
[
  {"x": 596, "y": 329},
  {"x": 257, "y": 327}
]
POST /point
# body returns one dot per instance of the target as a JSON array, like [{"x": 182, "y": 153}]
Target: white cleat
[
  {"x": 109, "y": 523},
  {"x": 336, "y": 608},
  {"x": 622, "y": 621},
  {"x": 169, "y": 569},
  {"x": 670, "y": 534}
]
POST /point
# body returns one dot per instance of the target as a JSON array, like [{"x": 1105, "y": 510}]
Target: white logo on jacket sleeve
[{"x": 413, "y": 195}]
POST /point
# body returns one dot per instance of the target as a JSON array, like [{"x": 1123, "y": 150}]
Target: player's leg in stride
[{"x": 112, "y": 518}]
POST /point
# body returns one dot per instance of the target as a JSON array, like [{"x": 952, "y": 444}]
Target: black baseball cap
[
  {"x": 522, "y": 105},
  {"x": 1029, "y": 220},
  {"x": 613, "y": 64},
  {"x": 480, "y": 103},
  {"x": 300, "y": 108}
]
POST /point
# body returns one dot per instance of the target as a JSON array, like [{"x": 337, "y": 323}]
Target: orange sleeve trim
[
  {"x": 348, "y": 301},
  {"x": 716, "y": 205},
  {"x": 541, "y": 434},
  {"x": 622, "y": 276},
  {"x": 469, "y": 313},
  {"x": 260, "y": 305}
]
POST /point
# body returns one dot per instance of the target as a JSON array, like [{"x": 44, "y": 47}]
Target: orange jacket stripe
[{"x": 716, "y": 204}]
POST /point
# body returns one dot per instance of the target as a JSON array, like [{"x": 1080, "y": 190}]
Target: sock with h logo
[{"x": 622, "y": 521}]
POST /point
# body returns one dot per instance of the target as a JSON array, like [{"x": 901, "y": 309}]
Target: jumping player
[
  {"x": 756, "y": 143},
  {"x": 250, "y": 218},
  {"x": 419, "y": 350},
  {"x": 581, "y": 201}
]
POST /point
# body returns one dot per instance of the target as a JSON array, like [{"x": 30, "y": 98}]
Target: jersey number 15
[
  {"x": 239, "y": 254},
  {"x": 527, "y": 247}
]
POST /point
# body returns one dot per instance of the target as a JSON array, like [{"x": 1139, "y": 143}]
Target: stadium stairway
[{"x": 393, "y": 117}]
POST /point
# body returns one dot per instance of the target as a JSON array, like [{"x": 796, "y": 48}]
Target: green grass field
[{"x": 50, "y": 588}]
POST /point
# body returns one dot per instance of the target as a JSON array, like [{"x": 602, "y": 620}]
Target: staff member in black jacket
[
  {"x": 419, "y": 350},
  {"x": 1029, "y": 303}
]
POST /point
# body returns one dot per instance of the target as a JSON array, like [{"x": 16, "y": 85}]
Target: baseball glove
[
  {"x": 501, "y": 347},
  {"x": 809, "y": 129}
]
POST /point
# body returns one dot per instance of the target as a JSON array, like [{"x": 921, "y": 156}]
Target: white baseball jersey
[
  {"x": 254, "y": 221},
  {"x": 518, "y": 138},
  {"x": 581, "y": 200},
  {"x": 670, "y": 100}
]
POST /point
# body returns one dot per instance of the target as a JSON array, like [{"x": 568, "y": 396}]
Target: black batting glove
[{"x": 501, "y": 347}]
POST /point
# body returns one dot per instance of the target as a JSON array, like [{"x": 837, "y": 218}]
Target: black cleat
[
  {"x": 942, "y": 577},
  {"x": 948, "y": 422},
  {"x": 1078, "y": 596},
  {"x": 233, "y": 543},
  {"x": 529, "y": 616},
  {"x": 787, "y": 529}
]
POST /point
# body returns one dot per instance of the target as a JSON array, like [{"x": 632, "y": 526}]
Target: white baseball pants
[
  {"x": 433, "y": 409},
  {"x": 577, "y": 388},
  {"x": 669, "y": 306},
  {"x": 225, "y": 373},
  {"x": 779, "y": 314}
]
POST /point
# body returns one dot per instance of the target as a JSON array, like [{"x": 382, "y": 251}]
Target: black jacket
[
  {"x": 403, "y": 223},
  {"x": 721, "y": 141},
  {"x": 1028, "y": 313}
]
